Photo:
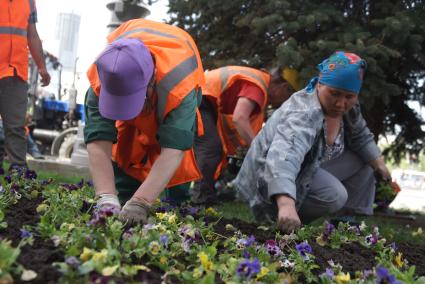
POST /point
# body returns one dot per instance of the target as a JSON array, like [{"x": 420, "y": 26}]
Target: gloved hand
[
  {"x": 135, "y": 211},
  {"x": 108, "y": 199}
]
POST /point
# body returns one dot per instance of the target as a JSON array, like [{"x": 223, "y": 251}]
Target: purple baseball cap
[{"x": 125, "y": 68}]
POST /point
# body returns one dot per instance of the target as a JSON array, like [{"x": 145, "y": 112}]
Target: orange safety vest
[
  {"x": 217, "y": 82},
  {"x": 14, "y": 20},
  {"x": 178, "y": 72}
]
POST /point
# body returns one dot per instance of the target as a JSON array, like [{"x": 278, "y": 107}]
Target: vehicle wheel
[
  {"x": 57, "y": 142},
  {"x": 67, "y": 146}
]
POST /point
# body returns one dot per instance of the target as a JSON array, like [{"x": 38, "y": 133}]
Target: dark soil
[
  {"x": 38, "y": 257},
  {"x": 353, "y": 257}
]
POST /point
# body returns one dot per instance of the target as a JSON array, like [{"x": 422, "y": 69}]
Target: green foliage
[{"x": 300, "y": 34}]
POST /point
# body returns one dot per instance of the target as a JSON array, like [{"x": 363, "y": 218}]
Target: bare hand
[
  {"x": 45, "y": 77},
  {"x": 379, "y": 166},
  {"x": 287, "y": 218}
]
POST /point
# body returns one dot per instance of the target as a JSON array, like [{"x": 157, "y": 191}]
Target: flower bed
[{"x": 56, "y": 234}]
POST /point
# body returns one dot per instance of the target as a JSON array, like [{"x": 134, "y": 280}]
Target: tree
[{"x": 389, "y": 34}]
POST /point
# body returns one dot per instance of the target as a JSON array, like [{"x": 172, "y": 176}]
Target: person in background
[
  {"x": 18, "y": 32},
  {"x": 234, "y": 102},
  {"x": 32, "y": 147},
  {"x": 315, "y": 155},
  {"x": 141, "y": 111}
]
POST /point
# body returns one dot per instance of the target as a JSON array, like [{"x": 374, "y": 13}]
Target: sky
[{"x": 92, "y": 34}]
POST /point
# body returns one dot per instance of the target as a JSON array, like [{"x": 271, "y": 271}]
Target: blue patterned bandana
[{"x": 343, "y": 71}]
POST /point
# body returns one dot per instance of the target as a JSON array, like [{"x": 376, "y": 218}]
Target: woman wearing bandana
[{"x": 315, "y": 156}]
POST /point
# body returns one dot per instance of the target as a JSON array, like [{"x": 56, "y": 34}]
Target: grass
[{"x": 46, "y": 175}]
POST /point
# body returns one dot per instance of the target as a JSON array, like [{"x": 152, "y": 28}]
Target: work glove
[
  {"x": 135, "y": 212},
  {"x": 108, "y": 200}
]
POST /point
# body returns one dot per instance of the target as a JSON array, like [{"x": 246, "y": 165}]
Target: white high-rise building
[{"x": 67, "y": 33}]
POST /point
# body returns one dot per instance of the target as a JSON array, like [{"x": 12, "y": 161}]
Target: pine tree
[{"x": 389, "y": 34}]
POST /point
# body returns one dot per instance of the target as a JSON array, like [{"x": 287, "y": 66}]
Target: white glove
[{"x": 107, "y": 199}]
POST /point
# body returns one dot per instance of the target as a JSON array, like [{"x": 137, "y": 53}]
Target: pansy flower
[
  {"x": 383, "y": 276},
  {"x": 304, "y": 249},
  {"x": 248, "y": 269},
  {"x": 272, "y": 248},
  {"x": 25, "y": 234}
]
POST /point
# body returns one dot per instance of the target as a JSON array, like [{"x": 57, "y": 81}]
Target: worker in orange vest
[
  {"x": 142, "y": 111},
  {"x": 18, "y": 32},
  {"x": 232, "y": 110}
]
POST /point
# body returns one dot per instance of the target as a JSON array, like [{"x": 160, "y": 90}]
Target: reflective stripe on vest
[
  {"x": 174, "y": 76},
  {"x": 226, "y": 72},
  {"x": 13, "y": 31}
]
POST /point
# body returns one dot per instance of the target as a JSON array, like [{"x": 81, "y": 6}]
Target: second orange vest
[
  {"x": 178, "y": 72},
  {"x": 217, "y": 82},
  {"x": 14, "y": 17}
]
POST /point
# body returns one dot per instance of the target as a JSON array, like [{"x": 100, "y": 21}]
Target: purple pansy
[
  {"x": 329, "y": 273},
  {"x": 303, "y": 249},
  {"x": 72, "y": 261},
  {"x": 8, "y": 179},
  {"x": 14, "y": 188},
  {"x": 100, "y": 215},
  {"x": 164, "y": 240},
  {"x": 248, "y": 269},
  {"x": 272, "y": 248},
  {"x": 25, "y": 234},
  {"x": 371, "y": 239},
  {"x": 383, "y": 276},
  {"x": 29, "y": 174},
  {"x": 244, "y": 243}
]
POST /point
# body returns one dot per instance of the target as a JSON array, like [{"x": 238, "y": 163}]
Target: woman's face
[{"x": 335, "y": 102}]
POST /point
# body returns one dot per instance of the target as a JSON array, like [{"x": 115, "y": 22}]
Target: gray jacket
[{"x": 288, "y": 150}]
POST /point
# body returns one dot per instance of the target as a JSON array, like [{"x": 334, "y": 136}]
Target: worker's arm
[
  {"x": 241, "y": 118},
  {"x": 175, "y": 135},
  {"x": 99, "y": 135},
  {"x": 101, "y": 167},
  {"x": 162, "y": 171},
  {"x": 379, "y": 166},
  {"x": 36, "y": 49}
]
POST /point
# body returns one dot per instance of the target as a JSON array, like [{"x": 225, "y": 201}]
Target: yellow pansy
[
  {"x": 263, "y": 272},
  {"x": 206, "y": 263},
  {"x": 398, "y": 260},
  {"x": 100, "y": 256},
  {"x": 211, "y": 211},
  {"x": 343, "y": 278},
  {"x": 197, "y": 273},
  {"x": 109, "y": 270},
  {"x": 42, "y": 208},
  {"x": 230, "y": 227},
  {"x": 86, "y": 254},
  {"x": 172, "y": 219},
  {"x": 418, "y": 232},
  {"x": 163, "y": 260},
  {"x": 154, "y": 247},
  {"x": 162, "y": 228},
  {"x": 320, "y": 241},
  {"x": 161, "y": 216}
]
